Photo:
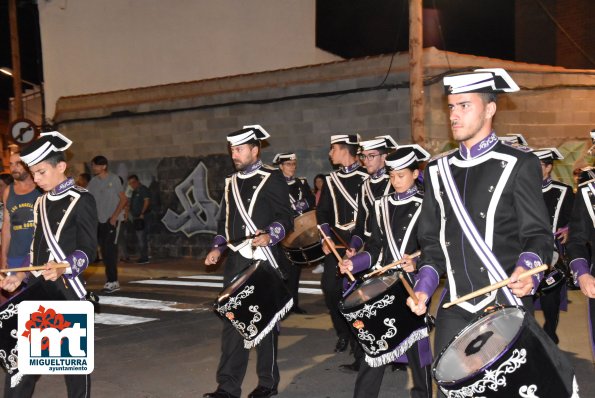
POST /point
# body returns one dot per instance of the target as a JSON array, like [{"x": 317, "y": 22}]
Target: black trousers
[
  {"x": 292, "y": 273},
  {"x": 332, "y": 288},
  {"x": 77, "y": 386},
  {"x": 106, "y": 237},
  {"x": 550, "y": 305},
  {"x": 369, "y": 379},
  {"x": 234, "y": 357}
]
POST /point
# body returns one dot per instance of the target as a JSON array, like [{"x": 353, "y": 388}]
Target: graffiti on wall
[{"x": 200, "y": 211}]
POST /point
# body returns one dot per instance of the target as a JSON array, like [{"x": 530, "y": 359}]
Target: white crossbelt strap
[
  {"x": 54, "y": 246},
  {"x": 352, "y": 202},
  {"x": 479, "y": 245},
  {"x": 266, "y": 251}
]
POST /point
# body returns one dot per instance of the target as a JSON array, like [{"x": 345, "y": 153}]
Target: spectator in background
[
  {"x": 140, "y": 208},
  {"x": 5, "y": 180},
  {"x": 318, "y": 183},
  {"x": 108, "y": 191},
  {"x": 18, "y": 199},
  {"x": 83, "y": 180}
]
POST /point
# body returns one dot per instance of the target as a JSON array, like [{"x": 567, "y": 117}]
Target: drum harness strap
[
  {"x": 54, "y": 247},
  {"x": 479, "y": 245},
  {"x": 350, "y": 200},
  {"x": 250, "y": 226},
  {"x": 395, "y": 250}
]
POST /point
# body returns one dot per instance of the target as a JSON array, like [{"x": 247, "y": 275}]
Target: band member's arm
[
  {"x": 325, "y": 214},
  {"x": 5, "y": 230},
  {"x": 365, "y": 259},
  {"x": 308, "y": 200},
  {"x": 580, "y": 229},
  {"x": 85, "y": 212},
  {"x": 564, "y": 217},
  {"x": 277, "y": 197},
  {"x": 359, "y": 232},
  {"x": 219, "y": 244},
  {"x": 534, "y": 232},
  {"x": 123, "y": 201},
  {"x": 431, "y": 263}
]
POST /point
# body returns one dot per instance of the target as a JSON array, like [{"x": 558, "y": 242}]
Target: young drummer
[{"x": 394, "y": 232}]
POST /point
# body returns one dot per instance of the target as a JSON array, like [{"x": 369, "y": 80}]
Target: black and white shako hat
[
  {"x": 47, "y": 145},
  {"x": 348, "y": 139},
  {"x": 379, "y": 142},
  {"x": 406, "y": 155},
  {"x": 514, "y": 139},
  {"x": 284, "y": 157},
  {"x": 247, "y": 135},
  {"x": 495, "y": 80},
  {"x": 548, "y": 154},
  {"x": 593, "y": 136}
]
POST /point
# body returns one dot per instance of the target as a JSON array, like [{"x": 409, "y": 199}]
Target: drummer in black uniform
[
  {"x": 483, "y": 217},
  {"x": 559, "y": 199},
  {"x": 393, "y": 224},
  {"x": 336, "y": 214},
  {"x": 265, "y": 212},
  {"x": 301, "y": 199},
  {"x": 581, "y": 244},
  {"x": 70, "y": 212}
]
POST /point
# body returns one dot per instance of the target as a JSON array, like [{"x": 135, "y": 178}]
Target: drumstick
[
  {"x": 391, "y": 265},
  {"x": 34, "y": 268},
  {"x": 495, "y": 286},
  {"x": 340, "y": 238},
  {"x": 408, "y": 288},
  {"x": 339, "y": 259},
  {"x": 266, "y": 231}
]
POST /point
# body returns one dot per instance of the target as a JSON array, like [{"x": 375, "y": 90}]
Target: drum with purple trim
[
  {"x": 377, "y": 314},
  {"x": 504, "y": 353},
  {"x": 254, "y": 301}
]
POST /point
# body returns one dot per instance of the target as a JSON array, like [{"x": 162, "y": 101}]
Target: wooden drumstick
[
  {"x": 339, "y": 259},
  {"x": 341, "y": 240},
  {"x": 34, "y": 268},
  {"x": 495, "y": 286},
  {"x": 391, "y": 265},
  {"x": 408, "y": 288}
]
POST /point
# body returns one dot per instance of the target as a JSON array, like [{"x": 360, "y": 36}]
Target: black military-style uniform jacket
[
  {"x": 559, "y": 199},
  {"x": 337, "y": 207},
  {"x": 300, "y": 195},
  {"x": 500, "y": 188},
  {"x": 581, "y": 238},
  {"x": 375, "y": 186},
  {"x": 393, "y": 224},
  {"x": 265, "y": 197},
  {"x": 71, "y": 216}
]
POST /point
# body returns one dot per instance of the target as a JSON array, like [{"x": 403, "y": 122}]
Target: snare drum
[
  {"x": 302, "y": 246},
  {"x": 504, "y": 353},
  {"x": 254, "y": 301},
  {"x": 378, "y": 316}
]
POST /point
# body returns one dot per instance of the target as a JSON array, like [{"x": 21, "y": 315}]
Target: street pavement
[{"x": 158, "y": 338}]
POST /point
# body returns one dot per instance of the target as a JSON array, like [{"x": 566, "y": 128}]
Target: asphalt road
[{"x": 158, "y": 337}]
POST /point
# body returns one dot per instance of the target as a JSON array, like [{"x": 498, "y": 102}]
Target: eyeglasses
[{"x": 369, "y": 157}]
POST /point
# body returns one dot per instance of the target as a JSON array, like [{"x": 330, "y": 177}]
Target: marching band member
[
  {"x": 65, "y": 219},
  {"x": 256, "y": 202},
  {"x": 483, "y": 218},
  {"x": 394, "y": 234},
  {"x": 301, "y": 199},
  {"x": 336, "y": 213},
  {"x": 581, "y": 242},
  {"x": 558, "y": 199}
]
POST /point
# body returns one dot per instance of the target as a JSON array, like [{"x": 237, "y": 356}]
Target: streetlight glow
[{"x": 6, "y": 71}]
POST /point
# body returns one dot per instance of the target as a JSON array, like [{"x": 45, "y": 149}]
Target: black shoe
[
  {"x": 350, "y": 368},
  {"x": 398, "y": 367},
  {"x": 263, "y": 392},
  {"x": 341, "y": 345},
  {"x": 298, "y": 310},
  {"x": 219, "y": 394}
]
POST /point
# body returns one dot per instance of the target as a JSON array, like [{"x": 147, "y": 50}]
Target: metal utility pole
[
  {"x": 16, "y": 60},
  {"x": 416, "y": 72}
]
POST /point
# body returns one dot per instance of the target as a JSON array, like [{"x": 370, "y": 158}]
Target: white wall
[{"x": 92, "y": 46}]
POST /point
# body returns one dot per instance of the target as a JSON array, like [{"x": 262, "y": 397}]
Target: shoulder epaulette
[
  {"x": 79, "y": 188},
  {"x": 443, "y": 154},
  {"x": 583, "y": 184}
]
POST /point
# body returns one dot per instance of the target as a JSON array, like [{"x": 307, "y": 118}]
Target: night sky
[{"x": 349, "y": 28}]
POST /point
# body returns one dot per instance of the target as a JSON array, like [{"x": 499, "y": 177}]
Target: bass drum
[
  {"x": 302, "y": 246},
  {"x": 504, "y": 353}
]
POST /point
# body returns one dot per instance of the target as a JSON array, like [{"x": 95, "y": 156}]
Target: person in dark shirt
[{"x": 140, "y": 209}]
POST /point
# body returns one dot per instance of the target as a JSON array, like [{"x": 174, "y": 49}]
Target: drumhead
[
  {"x": 479, "y": 345},
  {"x": 370, "y": 289},
  {"x": 238, "y": 280}
]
